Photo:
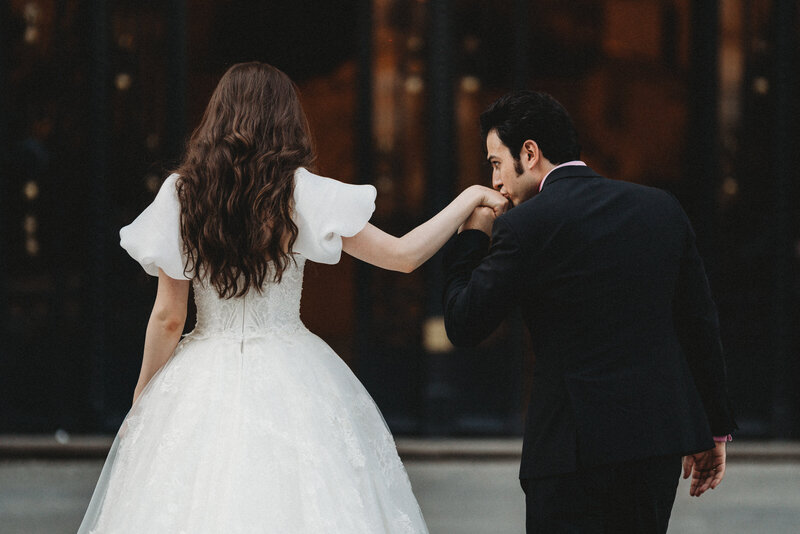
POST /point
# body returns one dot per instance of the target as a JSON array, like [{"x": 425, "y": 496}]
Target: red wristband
[{"x": 723, "y": 438}]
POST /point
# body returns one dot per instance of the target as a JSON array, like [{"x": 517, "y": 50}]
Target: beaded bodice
[{"x": 277, "y": 307}]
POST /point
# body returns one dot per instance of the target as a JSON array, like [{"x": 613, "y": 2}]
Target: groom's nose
[{"x": 497, "y": 183}]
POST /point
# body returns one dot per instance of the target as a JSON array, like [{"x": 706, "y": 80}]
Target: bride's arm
[
  {"x": 164, "y": 328},
  {"x": 406, "y": 253}
]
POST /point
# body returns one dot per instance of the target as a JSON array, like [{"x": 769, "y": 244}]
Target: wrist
[{"x": 478, "y": 195}]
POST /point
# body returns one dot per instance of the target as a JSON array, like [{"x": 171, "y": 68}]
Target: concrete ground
[
  {"x": 484, "y": 497},
  {"x": 468, "y": 496}
]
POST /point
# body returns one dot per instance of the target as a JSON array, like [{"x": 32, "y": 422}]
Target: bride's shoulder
[
  {"x": 170, "y": 181},
  {"x": 305, "y": 180},
  {"x": 325, "y": 210},
  {"x": 153, "y": 238},
  {"x": 314, "y": 188},
  {"x": 168, "y": 192}
]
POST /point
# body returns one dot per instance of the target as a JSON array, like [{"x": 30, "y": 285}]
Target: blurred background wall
[{"x": 96, "y": 99}]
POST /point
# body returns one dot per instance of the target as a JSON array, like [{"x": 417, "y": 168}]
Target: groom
[{"x": 629, "y": 374}]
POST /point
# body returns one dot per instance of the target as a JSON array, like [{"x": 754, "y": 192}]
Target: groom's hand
[
  {"x": 482, "y": 219},
  {"x": 707, "y": 469}
]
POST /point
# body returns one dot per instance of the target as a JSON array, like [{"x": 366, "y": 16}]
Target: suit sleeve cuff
[
  {"x": 475, "y": 238},
  {"x": 470, "y": 245}
]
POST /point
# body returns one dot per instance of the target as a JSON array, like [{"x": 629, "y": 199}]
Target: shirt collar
[{"x": 574, "y": 163}]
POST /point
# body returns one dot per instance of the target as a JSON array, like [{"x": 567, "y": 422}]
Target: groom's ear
[{"x": 530, "y": 154}]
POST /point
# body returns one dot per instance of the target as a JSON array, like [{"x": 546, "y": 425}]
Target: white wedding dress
[{"x": 254, "y": 425}]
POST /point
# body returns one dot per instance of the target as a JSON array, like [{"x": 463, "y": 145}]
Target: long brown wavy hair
[{"x": 237, "y": 179}]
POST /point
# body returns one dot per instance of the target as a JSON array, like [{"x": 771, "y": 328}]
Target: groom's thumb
[{"x": 688, "y": 461}]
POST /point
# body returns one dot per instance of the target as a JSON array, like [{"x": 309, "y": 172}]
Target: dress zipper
[{"x": 241, "y": 346}]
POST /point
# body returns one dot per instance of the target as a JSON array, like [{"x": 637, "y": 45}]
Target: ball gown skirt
[{"x": 269, "y": 434}]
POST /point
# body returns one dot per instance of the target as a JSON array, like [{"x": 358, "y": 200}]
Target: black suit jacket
[{"x": 629, "y": 363}]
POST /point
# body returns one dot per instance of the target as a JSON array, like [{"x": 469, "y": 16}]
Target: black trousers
[{"x": 632, "y": 497}]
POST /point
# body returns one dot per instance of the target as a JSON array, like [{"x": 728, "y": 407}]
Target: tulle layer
[{"x": 273, "y": 435}]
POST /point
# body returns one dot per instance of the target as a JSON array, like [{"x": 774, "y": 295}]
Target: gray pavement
[
  {"x": 457, "y": 497},
  {"x": 484, "y": 497}
]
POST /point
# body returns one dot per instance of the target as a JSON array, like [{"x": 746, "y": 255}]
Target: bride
[{"x": 250, "y": 423}]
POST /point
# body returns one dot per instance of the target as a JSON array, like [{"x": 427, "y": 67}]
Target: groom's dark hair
[{"x": 522, "y": 115}]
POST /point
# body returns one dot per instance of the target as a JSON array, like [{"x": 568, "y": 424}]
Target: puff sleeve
[
  {"x": 325, "y": 210},
  {"x": 153, "y": 238}
]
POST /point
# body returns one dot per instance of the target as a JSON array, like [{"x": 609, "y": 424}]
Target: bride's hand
[{"x": 492, "y": 199}]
